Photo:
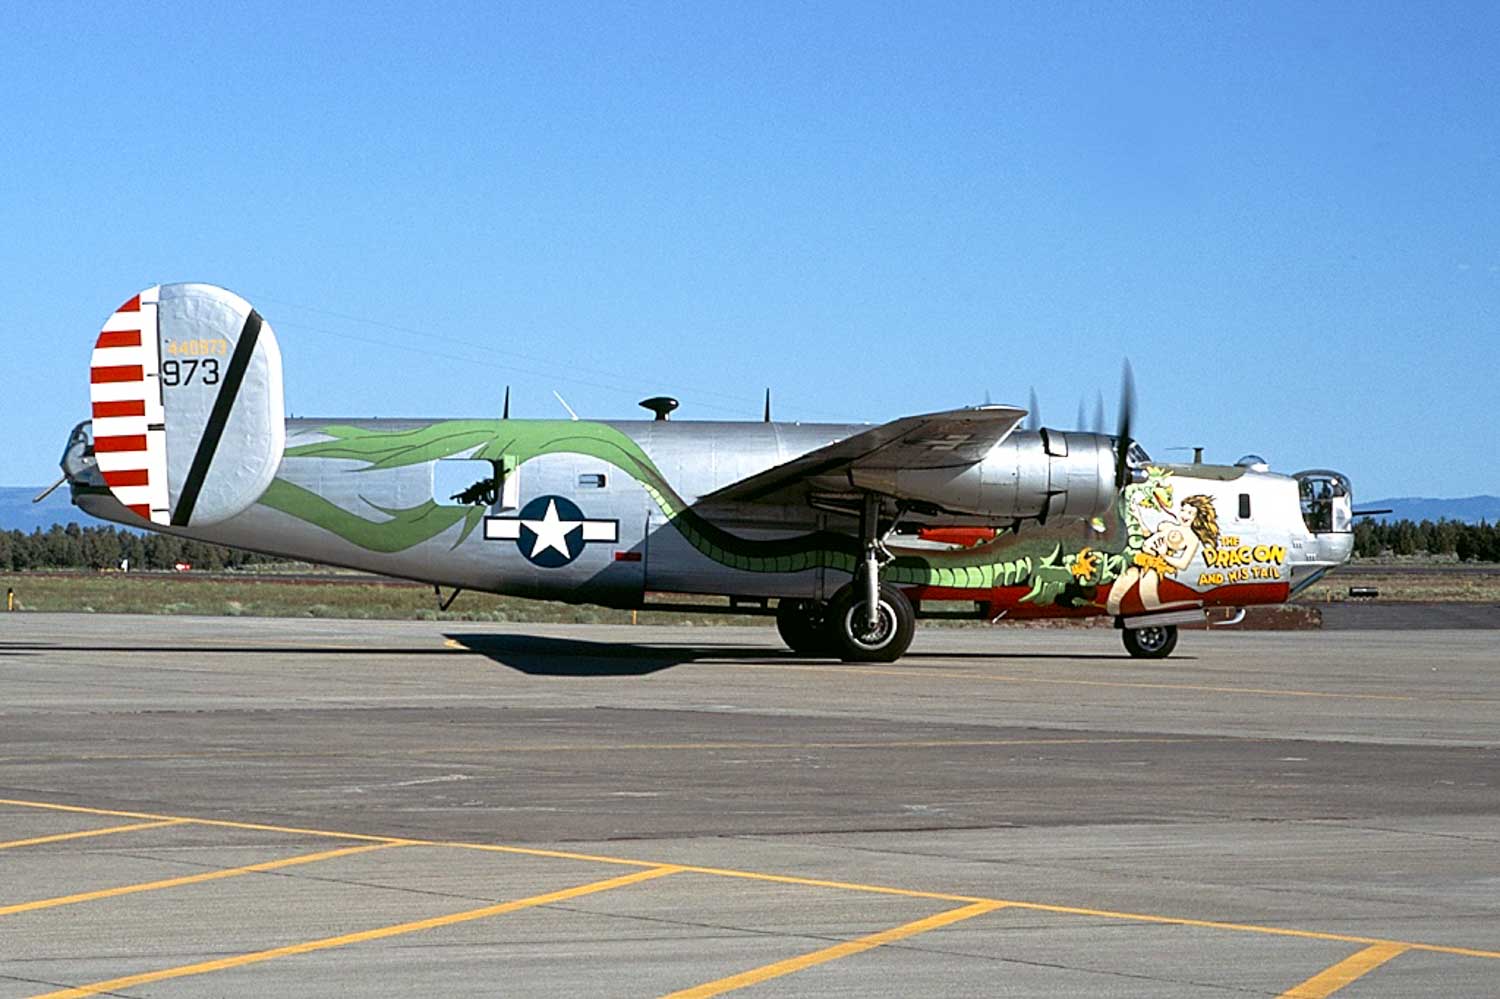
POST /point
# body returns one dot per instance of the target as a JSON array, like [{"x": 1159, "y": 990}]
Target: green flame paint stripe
[{"x": 975, "y": 568}]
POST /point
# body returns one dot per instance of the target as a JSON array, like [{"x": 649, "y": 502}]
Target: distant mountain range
[
  {"x": 1469, "y": 509},
  {"x": 18, "y": 513}
]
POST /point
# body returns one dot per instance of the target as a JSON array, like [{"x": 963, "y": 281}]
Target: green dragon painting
[{"x": 1057, "y": 577}]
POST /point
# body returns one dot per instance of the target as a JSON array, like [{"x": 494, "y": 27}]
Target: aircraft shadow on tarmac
[
  {"x": 540, "y": 656},
  {"x": 524, "y": 653}
]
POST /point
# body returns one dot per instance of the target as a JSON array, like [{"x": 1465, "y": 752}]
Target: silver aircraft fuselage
[{"x": 361, "y": 494}]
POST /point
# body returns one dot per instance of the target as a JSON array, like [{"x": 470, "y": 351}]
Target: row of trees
[
  {"x": 75, "y": 547},
  {"x": 1470, "y": 542}
]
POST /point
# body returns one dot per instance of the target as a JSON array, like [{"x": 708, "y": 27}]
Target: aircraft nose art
[{"x": 185, "y": 383}]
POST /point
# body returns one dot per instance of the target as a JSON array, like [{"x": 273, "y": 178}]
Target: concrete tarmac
[
  {"x": 1395, "y": 615},
  {"x": 236, "y": 807}
]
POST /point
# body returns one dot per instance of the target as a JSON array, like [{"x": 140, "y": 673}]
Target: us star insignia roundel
[{"x": 550, "y": 531}]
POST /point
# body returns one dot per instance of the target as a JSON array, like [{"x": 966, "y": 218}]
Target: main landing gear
[
  {"x": 866, "y": 621},
  {"x": 801, "y": 623},
  {"x": 861, "y": 637},
  {"x": 841, "y": 627}
]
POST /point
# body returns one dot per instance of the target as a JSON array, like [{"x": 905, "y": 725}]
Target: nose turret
[{"x": 1327, "y": 501}]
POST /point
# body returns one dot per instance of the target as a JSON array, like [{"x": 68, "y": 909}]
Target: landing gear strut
[
  {"x": 866, "y": 621},
  {"x": 871, "y": 621},
  {"x": 875, "y": 555}
]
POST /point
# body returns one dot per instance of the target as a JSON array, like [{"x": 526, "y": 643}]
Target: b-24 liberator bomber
[{"x": 846, "y": 533}]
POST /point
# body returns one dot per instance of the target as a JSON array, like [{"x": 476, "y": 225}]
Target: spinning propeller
[
  {"x": 1123, "y": 440},
  {"x": 1122, "y": 436},
  {"x": 1033, "y": 412}
]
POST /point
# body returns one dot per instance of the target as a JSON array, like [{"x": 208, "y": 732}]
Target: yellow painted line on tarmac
[
  {"x": 846, "y": 949},
  {"x": 1066, "y": 910},
  {"x": 952, "y": 674},
  {"x": 190, "y": 879},
  {"x": 1330, "y": 980},
  {"x": 1276, "y": 931},
  {"x": 722, "y": 872},
  {"x": 83, "y": 833},
  {"x": 221, "y": 823},
  {"x": 380, "y": 933}
]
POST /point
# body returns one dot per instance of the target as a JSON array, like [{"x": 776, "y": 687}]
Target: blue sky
[{"x": 1287, "y": 216}]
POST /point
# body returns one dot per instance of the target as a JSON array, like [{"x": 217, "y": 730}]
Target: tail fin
[{"x": 188, "y": 413}]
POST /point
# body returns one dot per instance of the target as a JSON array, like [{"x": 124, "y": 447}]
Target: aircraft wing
[{"x": 955, "y": 438}]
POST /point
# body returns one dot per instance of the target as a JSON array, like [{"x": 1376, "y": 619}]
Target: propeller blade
[
  {"x": 1033, "y": 412},
  {"x": 1098, "y": 412},
  {"x": 1080, "y": 424},
  {"x": 1127, "y": 416}
]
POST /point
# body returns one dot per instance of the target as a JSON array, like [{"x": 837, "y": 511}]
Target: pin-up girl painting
[{"x": 1177, "y": 535}]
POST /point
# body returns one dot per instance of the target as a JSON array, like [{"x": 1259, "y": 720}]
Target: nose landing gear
[{"x": 1154, "y": 641}]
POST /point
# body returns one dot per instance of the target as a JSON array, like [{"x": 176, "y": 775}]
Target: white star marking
[{"x": 552, "y": 531}]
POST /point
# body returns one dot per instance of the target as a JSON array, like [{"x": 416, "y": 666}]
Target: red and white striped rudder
[{"x": 185, "y": 382}]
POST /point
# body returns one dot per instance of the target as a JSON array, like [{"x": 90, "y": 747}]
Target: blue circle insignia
[{"x": 551, "y": 532}]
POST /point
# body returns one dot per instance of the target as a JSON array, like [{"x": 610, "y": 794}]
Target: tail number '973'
[{"x": 174, "y": 373}]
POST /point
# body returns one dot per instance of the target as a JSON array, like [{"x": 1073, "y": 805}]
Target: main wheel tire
[
  {"x": 802, "y": 626},
  {"x": 1152, "y": 642},
  {"x": 852, "y": 639}
]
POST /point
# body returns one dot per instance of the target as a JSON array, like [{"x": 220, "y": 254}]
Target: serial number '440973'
[
  {"x": 175, "y": 373},
  {"x": 198, "y": 347}
]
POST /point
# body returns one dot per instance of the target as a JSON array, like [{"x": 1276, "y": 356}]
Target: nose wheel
[{"x": 1153, "y": 642}]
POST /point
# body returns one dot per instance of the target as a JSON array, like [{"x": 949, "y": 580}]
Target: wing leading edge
[{"x": 952, "y": 439}]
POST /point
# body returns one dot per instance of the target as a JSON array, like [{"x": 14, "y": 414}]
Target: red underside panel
[{"x": 1008, "y": 598}]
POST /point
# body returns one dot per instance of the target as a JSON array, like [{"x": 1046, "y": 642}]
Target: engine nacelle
[{"x": 1041, "y": 474}]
